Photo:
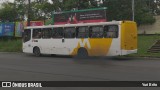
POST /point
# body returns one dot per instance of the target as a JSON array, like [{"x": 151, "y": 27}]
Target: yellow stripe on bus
[{"x": 95, "y": 47}]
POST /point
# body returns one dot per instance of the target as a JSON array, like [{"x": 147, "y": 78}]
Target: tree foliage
[
  {"x": 40, "y": 9},
  {"x": 7, "y": 13},
  {"x": 155, "y": 6},
  {"x": 21, "y": 9},
  {"x": 116, "y": 9}
]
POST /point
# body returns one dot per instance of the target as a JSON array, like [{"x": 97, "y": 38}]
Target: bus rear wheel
[
  {"x": 37, "y": 51},
  {"x": 82, "y": 53}
]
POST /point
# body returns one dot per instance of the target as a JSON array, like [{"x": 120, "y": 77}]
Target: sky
[
  {"x": 1, "y": 1},
  {"x": 12, "y": 0}
]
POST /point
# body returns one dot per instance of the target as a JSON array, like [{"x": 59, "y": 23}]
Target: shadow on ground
[{"x": 115, "y": 58}]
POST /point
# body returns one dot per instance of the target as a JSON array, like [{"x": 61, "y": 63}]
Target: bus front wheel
[
  {"x": 37, "y": 51},
  {"x": 82, "y": 53}
]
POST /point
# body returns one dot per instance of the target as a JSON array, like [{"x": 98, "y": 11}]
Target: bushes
[{"x": 10, "y": 45}]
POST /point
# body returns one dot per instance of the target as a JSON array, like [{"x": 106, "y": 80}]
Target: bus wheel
[
  {"x": 82, "y": 53},
  {"x": 37, "y": 51}
]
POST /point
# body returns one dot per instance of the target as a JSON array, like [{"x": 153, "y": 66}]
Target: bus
[{"x": 114, "y": 38}]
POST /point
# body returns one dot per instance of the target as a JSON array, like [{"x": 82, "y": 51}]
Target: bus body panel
[
  {"x": 115, "y": 49},
  {"x": 128, "y": 37},
  {"x": 95, "y": 47},
  {"x": 27, "y": 47},
  {"x": 51, "y": 46},
  {"x": 125, "y": 43}
]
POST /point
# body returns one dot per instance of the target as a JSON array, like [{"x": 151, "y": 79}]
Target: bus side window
[
  {"x": 26, "y": 35},
  {"x": 57, "y": 33},
  {"x": 105, "y": 31},
  {"x": 96, "y": 32},
  {"x": 69, "y": 32},
  {"x": 46, "y": 33},
  {"x": 37, "y": 33},
  {"x": 111, "y": 31},
  {"x": 82, "y": 32}
]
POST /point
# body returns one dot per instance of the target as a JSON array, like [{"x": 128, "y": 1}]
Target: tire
[
  {"x": 37, "y": 51},
  {"x": 53, "y": 55},
  {"x": 82, "y": 53}
]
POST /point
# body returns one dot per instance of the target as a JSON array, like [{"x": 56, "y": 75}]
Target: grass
[
  {"x": 144, "y": 43},
  {"x": 14, "y": 45}
]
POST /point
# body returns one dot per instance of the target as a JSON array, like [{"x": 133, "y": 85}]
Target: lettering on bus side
[{"x": 84, "y": 42}]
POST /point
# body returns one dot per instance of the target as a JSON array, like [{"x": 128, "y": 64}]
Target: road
[{"x": 19, "y": 66}]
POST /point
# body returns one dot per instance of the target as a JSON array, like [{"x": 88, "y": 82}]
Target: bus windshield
[{"x": 26, "y": 35}]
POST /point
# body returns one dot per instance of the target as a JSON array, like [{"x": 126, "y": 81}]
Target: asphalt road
[{"x": 24, "y": 67}]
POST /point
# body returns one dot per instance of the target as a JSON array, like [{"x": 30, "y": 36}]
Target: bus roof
[{"x": 75, "y": 25}]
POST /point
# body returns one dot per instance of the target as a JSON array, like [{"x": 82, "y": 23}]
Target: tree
[
  {"x": 116, "y": 9},
  {"x": 41, "y": 9},
  {"x": 143, "y": 13},
  {"x": 63, "y": 5},
  {"x": 8, "y": 13},
  {"x": 154, "y": 6},
  {"x": 58, "y": 5},
  {"x": 21, "y": 8},
  {"x": 122, "y": 10}
]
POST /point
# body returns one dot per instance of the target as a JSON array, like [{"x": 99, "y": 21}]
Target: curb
[
  {"x": 144, "y": 57},
  {"x": 10, "y": 52}
]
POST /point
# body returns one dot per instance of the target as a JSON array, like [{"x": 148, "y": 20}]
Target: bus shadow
[
  {"x": 104, "y": 62},
  {"x": 46, "y": 55},
  {"x": 91, "y": 61},
  {"x": 101, "y": 61},
  {"x": 115, "y": 58},
  {"x": 88, "y": 59},
  {"x": 122, "y": 58}
]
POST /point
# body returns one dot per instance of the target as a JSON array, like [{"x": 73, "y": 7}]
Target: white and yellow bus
[{"x": 84, "y": 39}]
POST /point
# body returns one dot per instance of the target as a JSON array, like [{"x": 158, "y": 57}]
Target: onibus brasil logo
[{"x": 20, "y": 84}]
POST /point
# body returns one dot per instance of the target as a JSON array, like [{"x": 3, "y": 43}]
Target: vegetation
[
  {"x": 14, "y": 45},
  {"x": 5, "y": 13},
  {"x": 117, "y": 9},
  {"x": 144, "y": 43}
]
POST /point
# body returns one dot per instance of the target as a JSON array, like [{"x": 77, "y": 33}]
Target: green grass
[
  {"x": 144, "y": 43},
  {"x": 11, "y": 45}
]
